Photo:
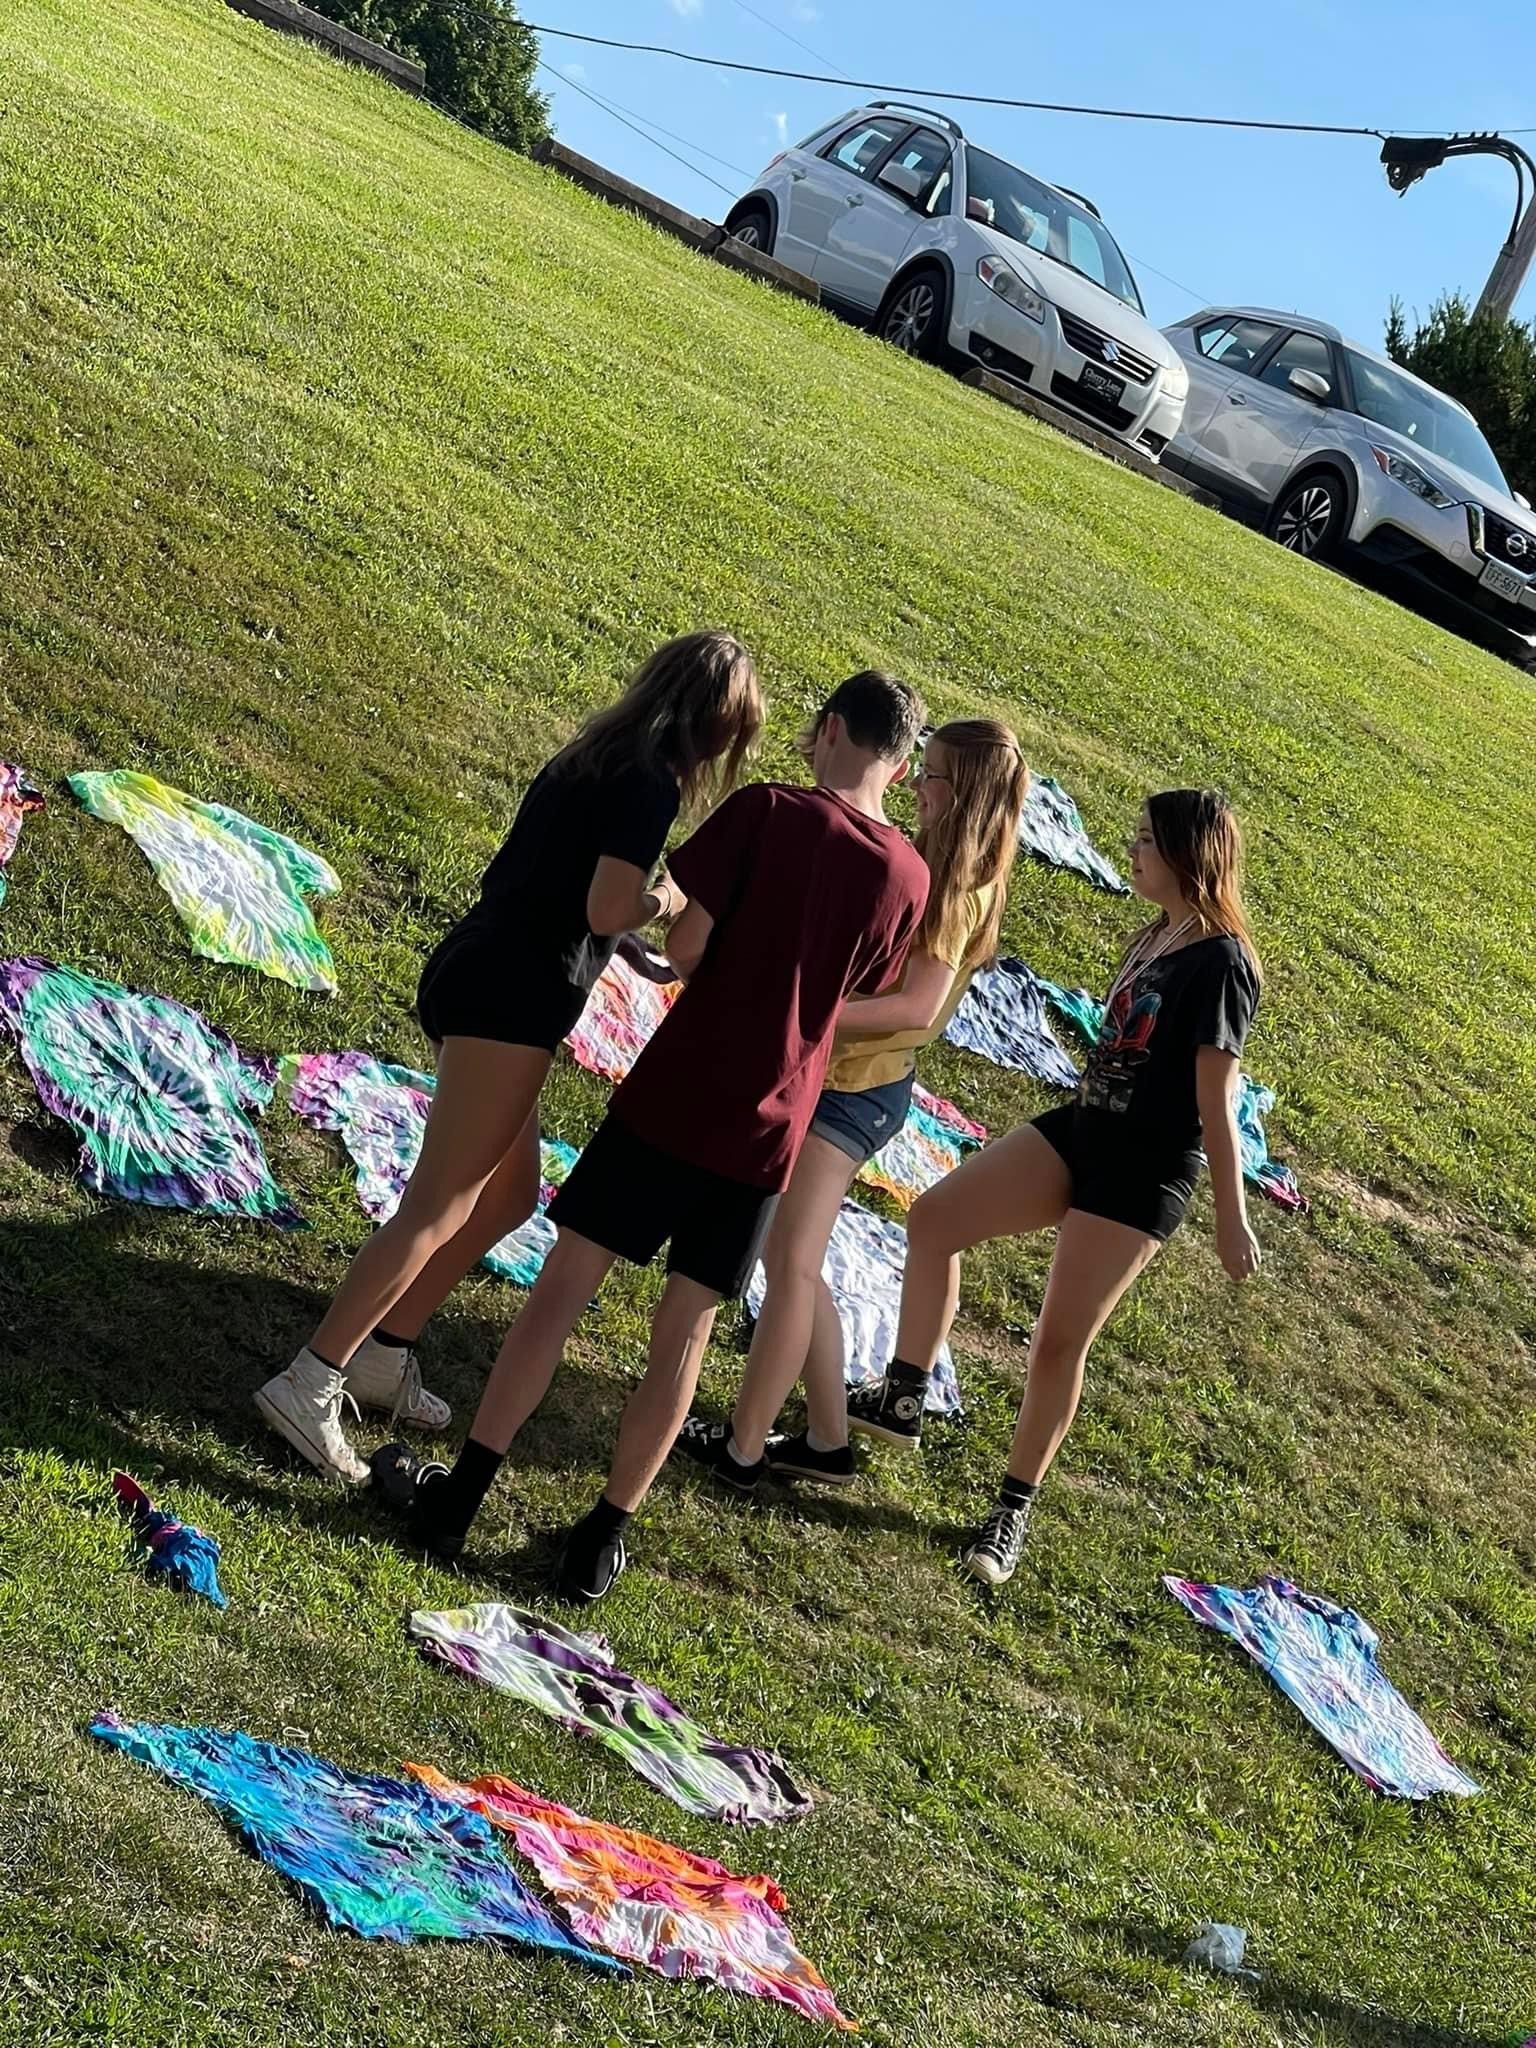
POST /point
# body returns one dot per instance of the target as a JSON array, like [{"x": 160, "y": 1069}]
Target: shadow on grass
[{"x": 1282, "y": 1996}]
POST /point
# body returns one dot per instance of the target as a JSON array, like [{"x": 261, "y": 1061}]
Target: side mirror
[
  {"x": 904, "y": 179},
  {"x": 1311, "y": 385},
  {"x": 980, "y": 209},
  {"x": 1522, "y": 500}
]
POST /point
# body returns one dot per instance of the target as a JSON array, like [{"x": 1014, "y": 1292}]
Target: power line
[
  {"x": 978, "y": 99},
  {"x": 636, "y": 129},
  {"x": 820, "y": 55},
  {"x": 616, "y": 107}
]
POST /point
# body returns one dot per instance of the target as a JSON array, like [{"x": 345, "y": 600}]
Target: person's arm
[
  {"x": 1218, "y": 1076},
  {"x": 688, "y": 938},
  {"x": 620, "y": 899},
  {"x": 915, "y": 1006}
]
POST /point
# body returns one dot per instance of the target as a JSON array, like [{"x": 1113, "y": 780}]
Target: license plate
[
  {"x": 1101, "y": 384},
  {"x": 1503, "y": 582}
]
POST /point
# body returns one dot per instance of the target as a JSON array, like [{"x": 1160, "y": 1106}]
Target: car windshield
[
  {"x": 1419, "y": 414},
  {"x": 1024, "y": 210}
]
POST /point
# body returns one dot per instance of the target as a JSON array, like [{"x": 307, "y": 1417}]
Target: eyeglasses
[{"x": 920, "y": 775}]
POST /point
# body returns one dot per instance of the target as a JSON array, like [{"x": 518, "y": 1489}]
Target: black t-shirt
[
  {"x": 1142, "y": 1071},
  {"x": 533, "y": 896}
]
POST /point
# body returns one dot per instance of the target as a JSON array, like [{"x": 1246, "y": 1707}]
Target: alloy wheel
[
  {"x": 908, "y": 322},
  {"x": 1303, "y": 521}
]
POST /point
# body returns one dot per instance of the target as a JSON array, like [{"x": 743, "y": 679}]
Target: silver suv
[
  {"x": 1333, "y": 449},
  {"x": 953, "y": 253}
]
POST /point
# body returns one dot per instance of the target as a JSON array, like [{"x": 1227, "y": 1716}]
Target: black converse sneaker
[
  {"x": 407, "y": 1484},
  {"x": 791, "y": 1457},
  {"x": 891, "y": 1412},
  {"x": 994, "y": 1556},
  {"x": 591, "y": 1565},
  {"x": 709, "y": 1444}
]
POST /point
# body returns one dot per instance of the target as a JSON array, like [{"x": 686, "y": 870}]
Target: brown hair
[
  {"x": 973, "y": 845},
  {"x": 1197, "y": 833},
  {"x": 693, "y": 703},
  {"x": 880, "y": 713}
]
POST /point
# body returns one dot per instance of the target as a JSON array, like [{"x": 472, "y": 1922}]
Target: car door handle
[
  {"x": 798, "y": 177},
  {"x": 856, "y": 199},
  {"x": 1236, "y": 398}
]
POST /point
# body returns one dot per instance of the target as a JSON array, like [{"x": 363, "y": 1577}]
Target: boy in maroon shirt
[{"x": 798, "y": 899}]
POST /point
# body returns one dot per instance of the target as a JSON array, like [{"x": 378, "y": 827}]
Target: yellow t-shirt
[{"x": 873, "y": 1060}]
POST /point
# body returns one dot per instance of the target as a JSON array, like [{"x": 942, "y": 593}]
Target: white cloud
[
  {"x": 781, "y": 128},
  {"x": 687, "y": 7},
  {"x": 804, "y": 11},
  {"x": 575, "y": 71}
]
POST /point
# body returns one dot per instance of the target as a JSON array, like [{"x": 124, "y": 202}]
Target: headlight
[
  {"x": 1411, "y": 477},
  {"x": 1175, "y": 381},
  {"x": 1001, "y": 278}
]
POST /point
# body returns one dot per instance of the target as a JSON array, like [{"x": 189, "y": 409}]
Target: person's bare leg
[
  {"x": 532, "y": 1348},
  {"x": 792, "y": 1258},
  {"x": 1019, "y": 1184},
  {"x": 825, "y": 1374},
  {"x": 1096, "y": 1261},
  {"x": 656, "y": 1409},
  {"x": 507, "y": 1199},
  {"x": 486, "y": 1093}
]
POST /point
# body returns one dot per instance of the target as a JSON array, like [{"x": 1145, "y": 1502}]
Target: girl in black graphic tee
[
  {"x": 1112, "y": 1172},
  {"x": 496, "y": 998}
]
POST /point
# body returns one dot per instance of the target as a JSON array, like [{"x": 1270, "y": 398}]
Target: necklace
[{"x": 1142, "y": 956}]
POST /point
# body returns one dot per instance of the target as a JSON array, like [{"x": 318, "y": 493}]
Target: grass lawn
[{"x": 344, "y": 462}]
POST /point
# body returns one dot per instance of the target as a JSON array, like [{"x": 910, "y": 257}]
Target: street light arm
[{"x": 1408, "y": 157}]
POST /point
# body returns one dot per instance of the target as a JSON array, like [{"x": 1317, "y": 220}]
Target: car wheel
[
  {"x": 753, "y": 229},
  {"x": 1309, "y": 516},
  {"x": 912, "y": 315}
]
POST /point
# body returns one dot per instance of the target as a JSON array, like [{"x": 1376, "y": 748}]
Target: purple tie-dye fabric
[
  {"x": 575, "y": 1681},
  {"x": 1003, "y": 1018},
  {"x": 19, "y": 797},
  {"x": 1323, "y": 1658},
  {"x": 377, "y": 1856},
  {"x": 161, "y": 1100},
  {"x": 931, "y": 1143}
]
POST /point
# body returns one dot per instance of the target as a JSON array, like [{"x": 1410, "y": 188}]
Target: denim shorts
[{"x": 861, "y": 1124}]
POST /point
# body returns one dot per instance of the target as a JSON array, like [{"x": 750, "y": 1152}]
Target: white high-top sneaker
[
  {"x": 387, "y": 1376},
  {"x": 304, "y": 1405}
]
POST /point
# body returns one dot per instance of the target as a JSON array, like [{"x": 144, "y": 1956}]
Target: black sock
[
  {"x": 1016, "y": 1493},
  {"x": 604, "y": 1520},
  {"x": 451, "y": 1504},
  {"x": 900, "y": 1374},
  {"x": 391, "y": 1341}
]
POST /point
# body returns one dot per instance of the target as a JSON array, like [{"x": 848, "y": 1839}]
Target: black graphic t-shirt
[
  {"x": 533, "y": 896},
  {"x": 1142, "y": 1071}
]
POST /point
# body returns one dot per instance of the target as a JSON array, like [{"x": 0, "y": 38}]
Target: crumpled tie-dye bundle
[
  {"x": 1052, "y": 828},
  {"x": 380, "y": 1114},
  {"x": 1273, "y": 1180},
  {"x": 1323, "y": 1658},
  {"x": 865, "y": 1259},
  {"x": 377, "y": 1856},
  {"x": 239, "y": 888},
  {"x": 650, "y": 1902},
  {"x": 1003, "y": 1018},
  {"x": 575, "y": 1681},
  {"x": 622, "y": 1011},
  {"x": 19, "y": 797},
  {"x": 188, "y": 1557},
  {"x": 934, "y": 1139},
  {"x": 161, "y": 1100}
]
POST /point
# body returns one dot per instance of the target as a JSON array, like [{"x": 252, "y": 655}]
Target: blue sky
[{"x": 1291, "y": 221}]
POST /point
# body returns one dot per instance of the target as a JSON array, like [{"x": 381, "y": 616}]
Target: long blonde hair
[
  {"x": 693, "y": 708},
  {"x": 1197, "y": 833},
  {"x": 973, "y": 845}
]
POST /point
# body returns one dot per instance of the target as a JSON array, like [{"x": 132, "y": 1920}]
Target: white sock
[
  {"x": 746, "y": 1463},
  {"x": 814, "y": 1443}
]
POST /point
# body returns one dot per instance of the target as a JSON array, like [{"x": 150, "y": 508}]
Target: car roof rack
[
  {"x": 1081, "y": 200},
  {"x": 928, "y": 114}
]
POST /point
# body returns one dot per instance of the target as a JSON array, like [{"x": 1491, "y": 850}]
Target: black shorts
[
  {"x": 632, "y": 1198},
  {"x": 1110, "y": 1178},
  {"x": 474, "y": 986}
]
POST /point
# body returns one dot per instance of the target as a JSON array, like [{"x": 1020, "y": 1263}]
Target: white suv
[{"x": 959, "y": 254}]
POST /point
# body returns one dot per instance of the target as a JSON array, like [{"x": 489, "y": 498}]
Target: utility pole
[{"x": 1408, "y": 157}]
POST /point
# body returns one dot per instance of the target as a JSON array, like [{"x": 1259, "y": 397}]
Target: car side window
[
  {"x": 1298, "y": 352},
  {"x": 929, "y": 155},
  {"x": 862, "y": 147},
  {"x": 1235, "y": 344}
]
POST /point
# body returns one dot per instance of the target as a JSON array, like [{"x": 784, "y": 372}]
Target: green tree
[
  {"x": 1490, "y": 365},
  {"x": 479, "y": 58}
]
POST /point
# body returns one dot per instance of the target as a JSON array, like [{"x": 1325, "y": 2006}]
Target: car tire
[
  {"x": 753, "y": 228},
  {"x": 914, "y": 314},
  {"x": 1310, "y": 515}
]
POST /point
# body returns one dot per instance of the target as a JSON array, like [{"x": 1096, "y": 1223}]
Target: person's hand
[{"x": 1238, "y": 1249}]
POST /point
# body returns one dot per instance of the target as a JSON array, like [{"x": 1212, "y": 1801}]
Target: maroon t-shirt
[{"x": 812, "y": 902}]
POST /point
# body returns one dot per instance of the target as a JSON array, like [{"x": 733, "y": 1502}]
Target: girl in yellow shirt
[{"x": 971, "y": 788}]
